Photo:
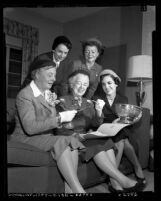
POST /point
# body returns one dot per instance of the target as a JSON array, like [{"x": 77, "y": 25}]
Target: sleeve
[
  {"x": 28, "y": 119},
  {"x": 95, "y": 120},
  {"x": 64, "y": 86}
]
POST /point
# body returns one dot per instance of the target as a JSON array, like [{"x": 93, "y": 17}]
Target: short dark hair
[
  {"x": 116, "y": 80},
  {"x": 62, "y": 40}
]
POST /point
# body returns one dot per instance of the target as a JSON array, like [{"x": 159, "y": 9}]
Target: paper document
[{"x": 105, "y": 130}]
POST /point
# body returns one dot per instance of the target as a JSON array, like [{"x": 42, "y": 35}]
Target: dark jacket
[
  {"x": 109, "y": 111},
  {"x": 84, "y": 120},
  {"x": 60, "y": 86}
]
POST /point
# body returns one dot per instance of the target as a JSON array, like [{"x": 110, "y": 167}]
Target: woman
[
  {"x": 99, "y": 150},
  {"x": 91, "y": 49},
  {"x": 109, "y": 82},
  {"x": 36, "y": 117},
  {"x": 61, "y": 48}
]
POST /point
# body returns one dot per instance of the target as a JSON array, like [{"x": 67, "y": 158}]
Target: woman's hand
[
  {"x": 79, "y": 136},
  {"x": 116, "y": 120},
  {"x": 68, "y": 125},
  {"x": 99, "y": 104},
  {"x": 67, "y": 116}
]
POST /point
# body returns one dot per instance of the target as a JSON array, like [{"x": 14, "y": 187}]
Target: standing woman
[
  {"x": 61, "y": 48},
  {"x": 91, "y": 49},
  {"x": 109, "y": 82},
  {"x": 36, "y": 117}
]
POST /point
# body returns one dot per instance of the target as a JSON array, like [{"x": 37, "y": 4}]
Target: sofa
[{"x": 30, "y": 170}]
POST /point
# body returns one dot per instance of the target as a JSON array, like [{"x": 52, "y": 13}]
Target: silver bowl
[{"x": 128, "y": 113}]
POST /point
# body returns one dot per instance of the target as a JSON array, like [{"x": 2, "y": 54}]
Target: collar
[
  {"x": 35, "y": 89},
  {"x": 56, "y": 62}
]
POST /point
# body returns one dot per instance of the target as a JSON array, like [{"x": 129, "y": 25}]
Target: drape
[{"x": 30, "y": 40}]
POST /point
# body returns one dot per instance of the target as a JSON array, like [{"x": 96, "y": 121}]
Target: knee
[
  {"x": 120, "y": 143},
  {"x": 127, "y": 143}
]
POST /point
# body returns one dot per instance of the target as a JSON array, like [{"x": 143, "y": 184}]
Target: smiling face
[
  {"x": 79, "y": 84},
  {"x": 91, "y": 53},
  {"x": 45, "y": 78},
  {"x": 61, "y": 52},
  {"x": 109, "y": 86}
]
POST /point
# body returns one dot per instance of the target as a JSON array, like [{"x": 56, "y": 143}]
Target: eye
[{"x": 50, "y": 74}]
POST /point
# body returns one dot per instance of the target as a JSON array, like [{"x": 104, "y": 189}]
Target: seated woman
[
  {"x": 36, "y": 117},
  {"x": 109, "y": 82},
  {"x": 99, "y": 150}
]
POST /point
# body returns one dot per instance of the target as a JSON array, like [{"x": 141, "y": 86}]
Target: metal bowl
[{"x": 128, "y": 113}]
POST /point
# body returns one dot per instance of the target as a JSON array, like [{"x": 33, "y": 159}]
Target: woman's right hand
[
  {"x": 67, "y": 116},
  {"x": 116, "y": 120}
]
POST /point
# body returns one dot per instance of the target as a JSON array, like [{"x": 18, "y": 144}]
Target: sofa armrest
[
  {"x": 140, "y": 137},
  {"x": 22, "y": 154}
]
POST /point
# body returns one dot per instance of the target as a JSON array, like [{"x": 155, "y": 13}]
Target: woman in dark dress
[
  {"x": 92, "y": 48},
  {"x": 109, "y": 82},
  {"x": 99, "y": 150}
]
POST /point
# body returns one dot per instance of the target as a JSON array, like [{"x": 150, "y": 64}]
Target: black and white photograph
[{"x": 71, "y": 70}]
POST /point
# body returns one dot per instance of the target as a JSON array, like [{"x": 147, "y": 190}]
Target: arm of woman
[
  {"x": 32, "y": 120},
  {"x": 94, "y": 80},
  {"x": 96, "y": 120}
]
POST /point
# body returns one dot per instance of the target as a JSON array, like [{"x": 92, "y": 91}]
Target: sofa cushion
[{"x": 27, "y": 155}]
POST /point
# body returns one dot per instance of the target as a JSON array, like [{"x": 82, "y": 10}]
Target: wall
[
  {"x": 148, "y": 27},
  {"x": 114, "y": 26},
  {"x": 48, "y": 30},
  {"x": 104, "y": 24},
  {"x": 131, "y": 34},
  {"x": 147, "y": 23}
]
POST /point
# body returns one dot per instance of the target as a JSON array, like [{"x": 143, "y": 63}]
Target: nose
[
  {"x": 53, "y": 78},
  {"x": 63, "y": 55}
]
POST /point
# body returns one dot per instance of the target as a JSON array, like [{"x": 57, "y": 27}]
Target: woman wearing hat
[
  {"x": 36, "y": 117},
  {"x": 101, "y": 151},
  {"x": 91, "y": 49},
  {"x": 109, "y": 82},
  {"x": 61, "y": 47}
]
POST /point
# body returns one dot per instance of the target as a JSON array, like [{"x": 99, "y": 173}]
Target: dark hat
[{"x": 41, "y": 63}]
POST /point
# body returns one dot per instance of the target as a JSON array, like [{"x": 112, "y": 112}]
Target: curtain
[{"x": 30, "y": 40}]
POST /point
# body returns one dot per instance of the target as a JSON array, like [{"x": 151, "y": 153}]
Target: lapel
[
  {"x": 107, "y": 105},
  {"x": 43, "y": 102}
]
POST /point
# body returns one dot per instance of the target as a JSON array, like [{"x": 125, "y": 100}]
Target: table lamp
[{"x": 140, "y": 71}]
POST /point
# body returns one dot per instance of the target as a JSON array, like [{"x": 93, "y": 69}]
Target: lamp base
[{"x": 140, "y": 98}]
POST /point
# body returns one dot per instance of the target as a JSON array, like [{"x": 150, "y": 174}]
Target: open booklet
[{"x": 105, "y": 130}]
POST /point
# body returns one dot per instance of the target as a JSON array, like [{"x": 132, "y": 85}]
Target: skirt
[
  {"x": 55, "y": 144},
  {"x": 94, "y": 146},
  {"x": 123, "y": 134}
]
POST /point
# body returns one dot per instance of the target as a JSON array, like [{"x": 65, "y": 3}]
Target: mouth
[{"x": 50, "y": 83}]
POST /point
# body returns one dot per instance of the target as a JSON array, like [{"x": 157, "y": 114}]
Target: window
[{"x": 14, "y": 70}]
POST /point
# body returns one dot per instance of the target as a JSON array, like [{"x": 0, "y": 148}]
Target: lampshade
[{"x": 140, "y": 68}]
